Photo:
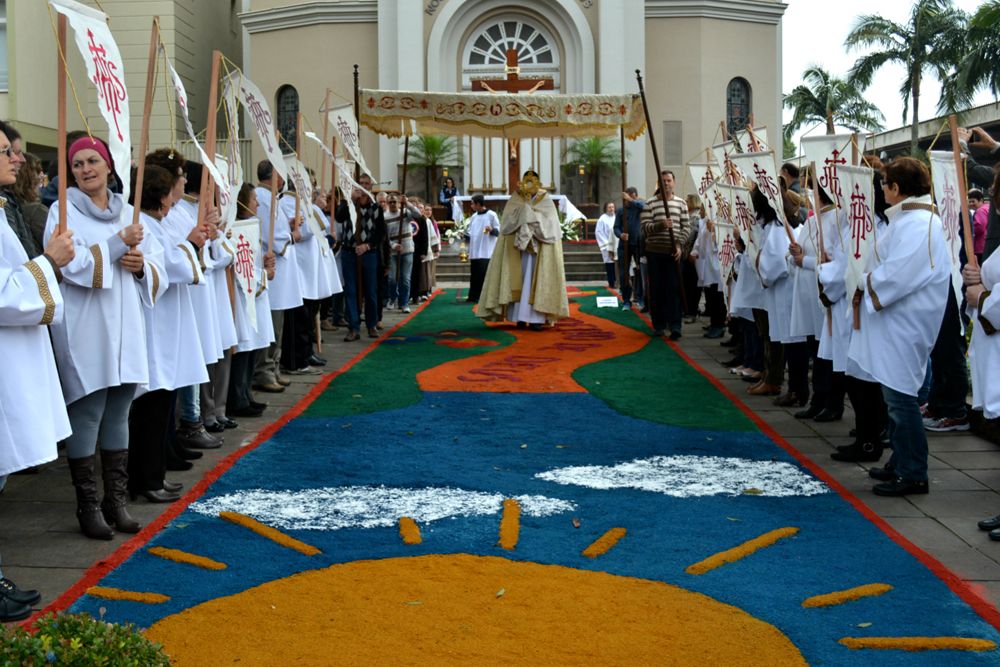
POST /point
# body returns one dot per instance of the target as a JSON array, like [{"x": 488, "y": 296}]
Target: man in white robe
[
  {"x": 902, "y": 305},
  {"x": 31, "y": 422},
  {"x": 482, "y": 234}
]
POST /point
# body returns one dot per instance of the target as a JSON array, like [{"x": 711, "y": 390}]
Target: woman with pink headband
[{"x": 100, "y": 345}]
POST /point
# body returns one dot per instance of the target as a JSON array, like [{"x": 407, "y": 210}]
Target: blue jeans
[
  {"x": 906, "y": 436},
  {"x": 190, "y": 401},
  {"x": 369, "y": 271},
  {"x": 401, "y": 291}
]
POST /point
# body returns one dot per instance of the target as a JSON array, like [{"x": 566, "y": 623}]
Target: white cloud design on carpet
[
  {"x": 333, "y": 508},
  {"x": 692, "y": 476}
]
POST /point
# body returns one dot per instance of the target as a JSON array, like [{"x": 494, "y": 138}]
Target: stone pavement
[{"x": 42, "y": 547}]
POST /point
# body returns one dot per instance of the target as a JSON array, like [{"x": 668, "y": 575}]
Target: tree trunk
[
  {"x": 829, "y": 122},
  {"x": 914, "y": 128}
]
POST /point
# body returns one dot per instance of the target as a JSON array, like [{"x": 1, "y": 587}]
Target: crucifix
[{"x": 513, "y": 84}]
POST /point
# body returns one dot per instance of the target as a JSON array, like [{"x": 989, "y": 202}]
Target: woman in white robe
[
  {"x": 902, "y": 306},
  {"x": 835, "y": 334},
  {"x": 748, "y": 296},
  {"x": 253, "y": 336},
  {"x": 171, "y": 342},
  {"x": 100, "y": 345},
  {"x": 607, "y": 242},
  {"x": 30, "y": 421}
]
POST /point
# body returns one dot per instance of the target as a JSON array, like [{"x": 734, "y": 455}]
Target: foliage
[
  {"x": 979, "y": 68},
  {"x": 932, "y": 41},
  {"x": 78, "y": 639},
  {"x": 824, "y": 98},
  {"x": 570, "y": 228},
  {"x": 788, "y": 149},
  {"x": 458, "y": 231},
  {"x": 594, "y": 154},
  {"x": 431, "y": 152}
]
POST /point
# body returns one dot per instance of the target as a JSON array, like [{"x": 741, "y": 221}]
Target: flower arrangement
[{"x": 78, "y": 639}]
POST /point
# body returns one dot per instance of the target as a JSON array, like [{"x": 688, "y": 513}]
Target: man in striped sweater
[{"x": 665, "y": 227}]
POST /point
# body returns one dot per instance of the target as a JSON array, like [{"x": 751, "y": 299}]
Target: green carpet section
[
  {"x": 625, "y": 383},
  {"x": 386, "y": 379}
]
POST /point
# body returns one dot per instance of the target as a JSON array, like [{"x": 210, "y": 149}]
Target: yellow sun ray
[
  {"x": 919, "y": 643},
  {"x": 849, "y": 595},
  {"x": 409, "y": 531},
  {"x": 129, "y": 596},
  {"x": 740, "y": 551},
  {"x": 510, "y": 524},
  {"x": 604, "y": 543},
  {"x": 179, "y": 556},
  {"x": 272, "y": 534}
]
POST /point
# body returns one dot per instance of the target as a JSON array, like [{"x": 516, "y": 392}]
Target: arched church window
[
  {"x": 287, "y": 104},
  {"x": 486, "y": 50},
  {"x": 738, "y": 104}
]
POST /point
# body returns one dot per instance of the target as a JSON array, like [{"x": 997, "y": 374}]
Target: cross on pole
[{"x": 513, "y": 84}]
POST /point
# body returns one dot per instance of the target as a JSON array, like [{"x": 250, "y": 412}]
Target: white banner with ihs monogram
[
  {"x": 107, "y": 72},
  {"x": 830, "y": 152},
  {"x": 858, "y": 188},
  {"x": 248, "y": 263},
  {"x": 346, "y": 126},
  {"x": 944, "y": 175},
  {"x": 760, "y": 168},
  {"x": 260, "y": 114}
]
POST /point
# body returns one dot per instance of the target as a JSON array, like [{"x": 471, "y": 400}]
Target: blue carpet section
[{"x": 474, "y": 442}]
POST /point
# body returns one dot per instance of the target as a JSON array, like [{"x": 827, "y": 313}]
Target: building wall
[{"x": 189, "y": 28}]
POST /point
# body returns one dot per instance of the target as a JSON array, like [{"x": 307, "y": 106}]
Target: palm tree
[
  {"x": 933, "y": 40},
  {"x": 593, "y": 154},
  {"x": 432, "y": 152},
  {"x": 979, "y": 69},
  {"x": 824, "y": 98}
]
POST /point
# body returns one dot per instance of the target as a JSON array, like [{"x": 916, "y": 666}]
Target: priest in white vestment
[
  {"x": 525, "y": 281},
  {"x": 902, "y": 305}
]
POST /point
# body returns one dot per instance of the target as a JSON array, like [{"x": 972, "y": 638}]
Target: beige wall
[
  {"x": 686, "y": 78},
  {"x": 313, "y": 59},
  {"x": 190, "y": 30}
]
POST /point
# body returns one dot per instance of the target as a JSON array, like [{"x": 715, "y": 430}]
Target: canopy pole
[
  {"x": 624, "y": 272},
  {"x": 360, "y": 277},
  {"x": 402, "y": 217},
  {"x": 659, "y": 187}
]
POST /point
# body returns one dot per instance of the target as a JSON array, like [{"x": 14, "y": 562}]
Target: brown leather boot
[
  {"x": 88, "y": 512},
  {"x": 114, "y": 468}
]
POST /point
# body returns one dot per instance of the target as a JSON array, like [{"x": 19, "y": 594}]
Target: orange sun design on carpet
[{"x": 538, "y": 361}]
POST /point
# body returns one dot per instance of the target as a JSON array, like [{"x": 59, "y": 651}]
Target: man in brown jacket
[{"x": 665, "y": 227}]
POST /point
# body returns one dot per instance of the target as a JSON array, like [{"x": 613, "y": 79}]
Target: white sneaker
[
  {"x": 391, "y": 305},
  {"x": 406, "y": 309}
]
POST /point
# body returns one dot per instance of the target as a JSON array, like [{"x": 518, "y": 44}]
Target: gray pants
[
  {"x": 99, "y": 417},
  {"x": 266, "y": 370},
  {"x": 215, "y": 391}
]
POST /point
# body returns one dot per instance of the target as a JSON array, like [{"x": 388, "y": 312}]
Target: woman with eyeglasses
[{"x": 100, "y": 345}]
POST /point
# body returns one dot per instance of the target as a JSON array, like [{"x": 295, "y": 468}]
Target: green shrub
[{"x": 78, "y": 640}]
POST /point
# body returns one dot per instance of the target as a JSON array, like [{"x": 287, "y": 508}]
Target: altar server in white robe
[
  {"x": 481, "y": 234},
  {"x": 607, "y": 242},
  {"x": 183, "y": 216},
  {"x": 31, "y": 422},
  {"x": 171, "y": 343},
  {"x": 252, "y": 338},
  {"x": 100, "y": 345},
  {"x": 835, "y": 334},
  {"x": 748, "y": 296},
  {"x": 807, "y": 314},
  {"x": 770, "y": 332},
  {"x": 775, "y": 275},
  {"x": 706, "y": 263},
  {"x": 902, "y": 306},
  {"x": 285, "y": 292},
  {"x": 983, "y": 298}
]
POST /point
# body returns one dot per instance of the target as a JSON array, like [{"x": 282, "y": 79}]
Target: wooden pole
[
  {"x": 624, "y": 274},
  {"x": 854, "y": 149},
  {"x": 147, "y": 109},
  {"x": 659, "y": 187},
  {"x": 274, "y": 199},
  {"x": 963, "y": 192},
  {"x": 206, "y": 189},
  {"x": 333, "y": 180},
  {"x": 61, "y": 103},
  {"x": 326, "y": 136},
  {"x": 819, "y": 226},
  {"x": 298, "y": 186},
  {"x": 360, "y": 280}
]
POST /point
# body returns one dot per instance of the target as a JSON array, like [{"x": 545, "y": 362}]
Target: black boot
[
  {"x": 88, "y": 512},
  {"x": 810, "y": 412},
  {"x": 859, "y": 451},
  {"x": 114, "y": 466}
]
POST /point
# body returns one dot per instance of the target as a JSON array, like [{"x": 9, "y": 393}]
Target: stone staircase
[{"x": 582, "y": 262}]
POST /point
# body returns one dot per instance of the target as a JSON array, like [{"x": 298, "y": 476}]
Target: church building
[{"x": 703, "y": 62}]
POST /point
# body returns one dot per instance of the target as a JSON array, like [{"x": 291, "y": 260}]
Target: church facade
[{"x": 704, "y": 62}]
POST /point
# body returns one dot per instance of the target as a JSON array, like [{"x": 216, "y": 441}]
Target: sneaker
[
  {"x": 305, "y": 370},
  {"x": 406, "y": 309},
  {"x": 947, "y": 424},
  {"x": 391, "y": 305},
  {"x": 627, "y": 306}
]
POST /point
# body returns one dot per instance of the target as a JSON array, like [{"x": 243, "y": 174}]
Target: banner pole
[
  {"x": 61, "y": 113},
  {"x": 963, "y": 192}
]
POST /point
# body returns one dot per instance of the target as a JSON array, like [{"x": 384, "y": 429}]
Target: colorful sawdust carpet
[{"x": 473, "y": 494}]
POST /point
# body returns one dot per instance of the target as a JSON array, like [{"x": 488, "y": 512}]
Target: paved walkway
[{"x": 42, "y": 548}]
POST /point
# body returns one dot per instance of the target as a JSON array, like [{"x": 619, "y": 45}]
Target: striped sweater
[{"x": 654, "y": 229}]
